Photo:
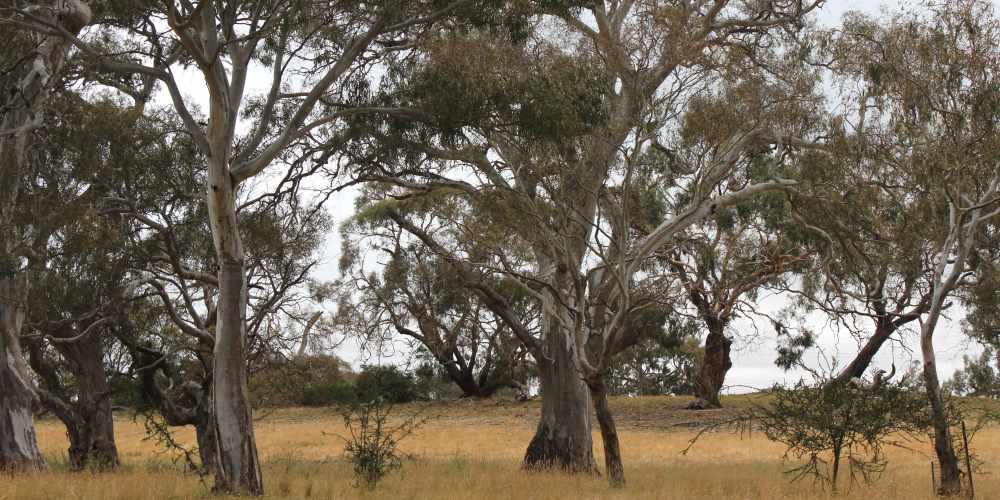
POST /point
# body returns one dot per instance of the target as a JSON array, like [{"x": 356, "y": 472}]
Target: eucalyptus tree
[
  {"x": 931, "y": 107},
  {"x": 550, "y": 129},
  {"x": 870, "y": 277},
  {"x": 723, "y": 264},
  {"x": 982, "y": 297},
  {"x": 316, "y": 56},
  {"x": 31, "y": 64},
  {"x": 664, "y": 361},
  {"x": 83, "y": 260},
  {"x": 172, "y": 342},
  {"x": 396, "y": 289}
]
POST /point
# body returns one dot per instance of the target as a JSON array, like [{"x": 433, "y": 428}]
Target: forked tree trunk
[
  {"x": 85, "y": 411},
  {"x": 464, "y": 379},
  {"x": 18, "y": 444},
  {"x": 238, "y": 467},
  {"x": 174, "y": 414},
  {"x": 609, "y": 433},
  {"x": 563, "y": 438},
  {"x": 92, "y": 436},
  {"x": 717, "y": 362}
]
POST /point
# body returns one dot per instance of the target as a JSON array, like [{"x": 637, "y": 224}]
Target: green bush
[
  {"x": 302, "y": 381},
  {"x": 372, "y": 444},
  {"x": 386, "y": 383},
  {"x": 126, "y": 391},
  {"x": 328, "y": 394}
]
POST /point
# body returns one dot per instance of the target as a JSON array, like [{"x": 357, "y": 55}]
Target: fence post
[
  {"x": 968, "y": 461},
  {"x": 934, "y": 485}
]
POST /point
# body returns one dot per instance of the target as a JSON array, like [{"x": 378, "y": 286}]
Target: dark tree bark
[
  {"x": 563, "y": 438},
  {"x": 189, "y": 404},
  {"x": 609, "y": 433},
  {"x": 951, "y": 473},
  {"x": 86, "y": 413},
  {"x": 861, "y": 362},
  {"x": 717, "y": 362},
  {"x": 208, "y": 448},
  {"x": 466, "y": 380},
  {"x": 489, "y": 381},
  {"x": 885, "y": 327}
]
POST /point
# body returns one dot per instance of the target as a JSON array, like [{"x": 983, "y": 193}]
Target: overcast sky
[{"x": 753, "y": 363}]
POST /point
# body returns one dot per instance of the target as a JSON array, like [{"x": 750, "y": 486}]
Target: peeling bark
[
  {"x": 717, "y": 362},
  {"x": 18, "y": 443},
  {"x": 563, "y": 438},
  {"x": 238, "y": 467}
]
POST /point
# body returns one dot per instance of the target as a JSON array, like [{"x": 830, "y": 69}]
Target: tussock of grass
[{"x": 473, "y": 451}]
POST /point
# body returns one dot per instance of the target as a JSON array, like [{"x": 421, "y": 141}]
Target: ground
[{"x": 471, "y": 450}]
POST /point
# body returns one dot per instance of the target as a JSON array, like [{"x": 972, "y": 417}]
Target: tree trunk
[
  {"x": 174, "y": 413},
  {"x": 464, "y": 379},
  {"x": 305, "y": 332},
  {"x": 951, "y": 475},
  {"x": 238, "y": 468},
  {"x": 208, "y": 450},
  {"x": 609, "y": 434},
  {"x": 94, "y": 443},
  {"x": 18, "y": 444},
  {"x": 715, "y": 365},
  {"x": 563, "y": 438},
  {"x": 883, "y": 331},
  {"x": 838, "y": 446}
]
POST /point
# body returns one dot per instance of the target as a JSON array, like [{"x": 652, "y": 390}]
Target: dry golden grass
[{"x": 471, "y": 450}]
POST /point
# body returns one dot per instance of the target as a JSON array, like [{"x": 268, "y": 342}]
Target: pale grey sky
[{"x": 753, "y": 364}]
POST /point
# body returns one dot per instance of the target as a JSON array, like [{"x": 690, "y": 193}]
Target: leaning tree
[{"x": 930, "y": 108}]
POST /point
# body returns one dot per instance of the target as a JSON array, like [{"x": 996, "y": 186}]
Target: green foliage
[
  {"x": 387, "y": 383},
  {"x": 328, "y": 394},
  {"x": 541, "y": 92},
  {"x": 322, "y": 380},
  {"x": 827, "y": 423},
  {"x": 372, "y": 442},
  {"x": 792, "y": 345},
  {"x": 317, "y": 380},
  {"x": 663, "y": 362},
  {"x": 125, "y": 391},
  {"x": 831, "y": 426},
  {"x": 977, "y": 377}
]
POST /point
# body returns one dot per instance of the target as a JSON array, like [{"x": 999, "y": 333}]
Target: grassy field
[{"x": 471, "y": 450}]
